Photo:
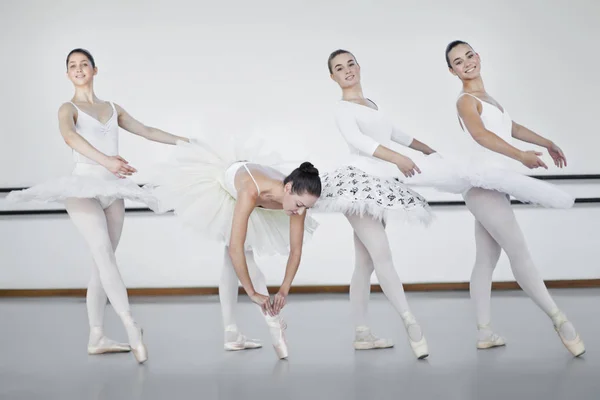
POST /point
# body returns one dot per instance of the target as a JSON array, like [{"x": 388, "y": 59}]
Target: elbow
[
  {"x": 69, "y": 139},
  {"x": 480, "y": 137},
  {"x": 296, "y": 254},
  {"x": 235, "y": 249}
]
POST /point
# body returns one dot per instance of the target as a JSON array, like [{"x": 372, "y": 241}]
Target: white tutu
[
  {"x": 86, "y": 181},
  {"x": 448, "y": 174},
  {"x": 193, "y": 186},
  {"x": 350, "y": 190}
]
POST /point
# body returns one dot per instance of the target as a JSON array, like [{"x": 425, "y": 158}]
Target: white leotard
[
  {"x": 230, "y": 174},
  {"x": 498, "y": 122},
  {"x": 104, "y": 137}
]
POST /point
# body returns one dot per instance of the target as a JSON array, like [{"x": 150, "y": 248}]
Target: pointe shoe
[
  {"x": 241, "y": 342},
  {"x": 106, "y": 345},
  {"x": 140, "y": 352},
  {"x": 419, "y": 347},
  {"x": 277, "y": 329},
  {"x": 491, "y": 341},
  {"x": 366, "y": 340},
  {"x": 575, "y": 346}
]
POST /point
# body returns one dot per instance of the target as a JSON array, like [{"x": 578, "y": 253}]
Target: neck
[
  {"x": 353, "y": 92},
  {"x": 85, "y": 94},
  {"x": 274, "y": 191},
  {"x": 474, "y": 85}
]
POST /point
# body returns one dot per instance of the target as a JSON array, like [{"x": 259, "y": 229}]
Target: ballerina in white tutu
[
  {"x": 94, "y": 195},
  {"x": 496, "y": 227},
  {"x": 237, "y": 196}
]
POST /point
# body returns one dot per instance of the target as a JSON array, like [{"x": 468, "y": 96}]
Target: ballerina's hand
[
  {"x": 119, "y": 166},
  {"x": 557, "y": 155},
  {"x": 407, "y": 166},
  {"x": 531, "y": 159},
  {"x": 279, "y": 302},
  {"x": 264, "y": 302}
]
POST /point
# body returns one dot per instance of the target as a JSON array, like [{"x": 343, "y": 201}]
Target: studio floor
[{"x": 43, "y": 351}]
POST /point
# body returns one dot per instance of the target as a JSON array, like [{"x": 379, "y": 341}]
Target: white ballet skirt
[
  {"x": 194, "y": 186},
  {"x": 352, "y": 191},
  {"x": 86, "y": 181},
  {"x": 455, "y": 175}
]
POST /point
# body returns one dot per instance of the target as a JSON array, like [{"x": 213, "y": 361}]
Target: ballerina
[
  {"x": 496, "y": 227},
  {"x": 94, "y": 195},
  {"x": 368, "y": 191},
  {"x": 240, "y": 198}
]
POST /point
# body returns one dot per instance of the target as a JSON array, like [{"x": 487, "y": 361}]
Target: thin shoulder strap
[
  {"x": 457, "y": 115},
  {"x": 469, "y": 94},
  {"x": 250, "y": 173},
  {"x": 77, "y": 108}
]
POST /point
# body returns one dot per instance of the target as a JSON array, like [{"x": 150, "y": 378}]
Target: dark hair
[
  {"x": 334, "y": 55},
  {"x": 85, "y": 53},
  {"x": 451, "y": 46},
  {"x": 305, "y": 179}
]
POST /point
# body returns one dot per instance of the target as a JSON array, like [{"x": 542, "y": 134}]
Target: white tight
[
  {"x": 373, "y": 253},
  {"x": 497, "y": 228},
  {"x": 229, "y": 284},
  {"x": 101, "y": 228}
]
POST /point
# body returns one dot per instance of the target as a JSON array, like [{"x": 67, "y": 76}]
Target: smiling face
[
  {"x": 80, "y": 69},
  {"x": 345, "y": 70},
  {"x": 296, "y": 204},
  {"x": 464, "y": 62}
]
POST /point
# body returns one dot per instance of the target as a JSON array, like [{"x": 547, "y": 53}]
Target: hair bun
[{"x": 308, "y": 168}]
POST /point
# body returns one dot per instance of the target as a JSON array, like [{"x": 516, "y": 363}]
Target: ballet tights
[
  {"x": 101, "y": 229},
  {"x": 373, "y": 253},
  {"x": 228, "y": 292},
  {"x": 496, "y": 228}
]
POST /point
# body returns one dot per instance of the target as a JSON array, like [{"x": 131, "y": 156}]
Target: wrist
[
  {"x": 104, "y": 159},
  {"x": 549, "y": 144},
  {"x": 250, "y": 291},
  {"x": 397, "y": 158},
  {"x": 520, "y": 155},
  {"x": 284, "y": 289}
]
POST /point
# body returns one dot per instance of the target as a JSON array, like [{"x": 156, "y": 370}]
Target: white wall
[{"x": 195, "y": 67}]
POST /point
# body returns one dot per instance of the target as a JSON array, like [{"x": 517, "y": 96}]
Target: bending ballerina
[
  {"x": 94, "y": 195},
  {"x": 368, "y": 191},
  {"x": 496, "y": 227},
  {"x": 237, "y": 196}
]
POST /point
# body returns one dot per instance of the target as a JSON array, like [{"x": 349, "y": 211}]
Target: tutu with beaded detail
[{"x": 352, "y": 191}]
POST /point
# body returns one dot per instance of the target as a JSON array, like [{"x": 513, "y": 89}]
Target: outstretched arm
[
  {"x": 244, "y": 206},
  {"x": 467, "y": 110},
  {"x": 134, "y": 126},
  {"x": 403, "y": 138},
  {"x": 66, "y": 124},
  {"x": 349, "y": 129},
  {"x": 524, "y": 134}
]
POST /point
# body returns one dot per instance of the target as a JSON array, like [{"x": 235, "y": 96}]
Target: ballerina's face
[
  {"x": 80, "y": 70},
  {"x": 345, "y": 70},
  {"x": 465, "y": 63},
  {"x": 296, "y": 204}
]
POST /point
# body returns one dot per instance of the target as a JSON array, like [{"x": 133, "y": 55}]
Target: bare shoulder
[
  {"x": 118, "y": 108},
  {"x": 467, "y": 103},
  {"x": 66, "y": 109}
]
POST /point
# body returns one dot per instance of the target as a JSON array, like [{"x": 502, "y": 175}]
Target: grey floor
[{"x": 43, "y": 352}]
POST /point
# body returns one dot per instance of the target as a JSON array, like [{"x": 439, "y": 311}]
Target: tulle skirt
[
  {"x": 453, "y": 175},
  {"x": 193, "y": 186},
  {"x": 86, "y": 181}
]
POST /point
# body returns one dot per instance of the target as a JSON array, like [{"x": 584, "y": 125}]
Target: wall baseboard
[{"x": 312, "y": 289}]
